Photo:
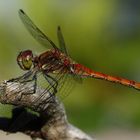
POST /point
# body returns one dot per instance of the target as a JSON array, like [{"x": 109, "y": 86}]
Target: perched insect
[{"x": 56, "y": 61}]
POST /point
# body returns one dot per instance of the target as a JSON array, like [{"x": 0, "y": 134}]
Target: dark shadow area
[{"x": 23, "y": 121}]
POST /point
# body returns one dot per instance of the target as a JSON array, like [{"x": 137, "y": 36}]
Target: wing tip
[
  {"x": 21, "y": 11},
  {"x": 59, "y": 28}
]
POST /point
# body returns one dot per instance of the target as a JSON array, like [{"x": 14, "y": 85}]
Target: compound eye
[{"x": 24, "y": 60}]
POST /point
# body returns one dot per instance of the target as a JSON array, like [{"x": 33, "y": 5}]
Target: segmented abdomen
[{"x": 86, "y": 72}]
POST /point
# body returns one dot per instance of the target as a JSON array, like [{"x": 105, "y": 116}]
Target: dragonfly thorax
[
  {"x": 24, "y": 59},
  {"x": 52, "y": 61}
]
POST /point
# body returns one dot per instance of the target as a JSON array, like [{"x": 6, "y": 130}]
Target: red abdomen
[{"x": 86, "y": 72}]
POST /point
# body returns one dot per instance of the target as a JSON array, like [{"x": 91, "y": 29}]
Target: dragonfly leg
[
  {"x": 34, "y": 78},
  {"x": 34, "y": 87},
  {"x": 53, "y": 83},
  {"x": 22, "y": 78},
  {"x": 27, "y": 77}
]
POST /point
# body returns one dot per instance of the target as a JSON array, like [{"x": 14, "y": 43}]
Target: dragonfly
[{"x": 56, "y": 63}]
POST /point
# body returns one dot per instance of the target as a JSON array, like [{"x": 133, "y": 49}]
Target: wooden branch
[{"x": 55, "y": 125}]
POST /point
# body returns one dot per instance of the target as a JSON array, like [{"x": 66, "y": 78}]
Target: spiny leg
[
  {"x": 34, "y": 78},
  {"x": 27, "y": 77},
  {"x": 53, "y": 84},
  {"x": 21, "y": 78},
  {"x": 42, "y": 100}
]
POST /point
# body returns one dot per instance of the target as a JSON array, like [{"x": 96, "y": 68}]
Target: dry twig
[{"x": 51, "y": 124}]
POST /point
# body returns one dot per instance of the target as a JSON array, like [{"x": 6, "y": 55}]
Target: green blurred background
[{"x": 102, "y": 35}]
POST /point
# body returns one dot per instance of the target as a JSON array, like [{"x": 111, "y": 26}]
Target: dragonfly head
[{"x": 25, "y": 59}]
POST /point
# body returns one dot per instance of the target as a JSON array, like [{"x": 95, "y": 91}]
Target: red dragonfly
[{"x": 55, "y": 63}]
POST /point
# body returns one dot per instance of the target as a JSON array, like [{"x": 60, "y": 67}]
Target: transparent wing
[
  {"x": 61, "y": 41},
  {"x": 49, "y": 86},
  {"x": 35, "y": 31},
  {"x": 66, "y": 83}
]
